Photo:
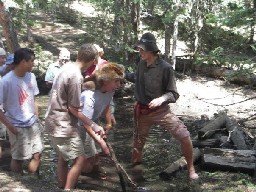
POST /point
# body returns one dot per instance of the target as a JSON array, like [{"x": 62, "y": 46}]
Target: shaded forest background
[{"x": 213, "y": 37}]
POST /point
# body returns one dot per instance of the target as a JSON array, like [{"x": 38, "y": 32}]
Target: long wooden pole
[{"x": 119, "y": 168}]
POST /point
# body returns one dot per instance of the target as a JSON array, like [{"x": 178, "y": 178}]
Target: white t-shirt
[
  {"x": 94, "y": 103},
  {"x": 17, "y": 98}
]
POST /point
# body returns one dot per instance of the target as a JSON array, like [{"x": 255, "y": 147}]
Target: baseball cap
[
  {"x": 99, "y": 49},
  {"x": 2, "y": 51},
  {"x": 64, "y": 54}
]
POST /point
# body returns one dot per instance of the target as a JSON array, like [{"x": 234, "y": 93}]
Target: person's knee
[
  {"x": 185, "y": 140},
  {"x": 16, "y": 165},
  {"x": 79, "y": 161},
  {"x": 36, "y": 156}
]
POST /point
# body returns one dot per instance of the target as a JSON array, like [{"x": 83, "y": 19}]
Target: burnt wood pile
[{"x": 220, "y": 145}]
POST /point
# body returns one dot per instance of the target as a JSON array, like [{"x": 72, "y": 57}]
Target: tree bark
[
  {"x": 236, "y": 135},
  {"x": 229, "y": 160},
  {"x": 206, "y": 143},
  {"x": 8, "y": 30},
  {"x": 212, "y": 127},
  {"x": 174, "y": 41},
  {"x": 167, "y": 41}
]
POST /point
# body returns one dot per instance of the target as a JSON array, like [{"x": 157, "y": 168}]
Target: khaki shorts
[
  {"x": 68, "y": 147},
  {"x": 28, "y": 141},
  {"x": 90, "y": 148},
  {"x": 164, "y": 117}
]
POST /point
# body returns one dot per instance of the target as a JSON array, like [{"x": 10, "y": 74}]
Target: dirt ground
[
  {"x": 206, "y": 96},
  {"x": 200, "y": 97}
]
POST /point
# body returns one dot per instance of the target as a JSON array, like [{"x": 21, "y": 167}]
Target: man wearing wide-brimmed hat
[{"x": 155, "y": 88}]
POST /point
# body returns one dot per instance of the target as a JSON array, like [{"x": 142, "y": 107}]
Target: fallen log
[
  {"x": 206, "y": 143},
  {"x": 229, "y": 160},
  {"x": 236, "y": 135},
  {"x": 223, "y": 121},
  {"x": 178, "y": 165},
  {"x": 213, "y": 126}
]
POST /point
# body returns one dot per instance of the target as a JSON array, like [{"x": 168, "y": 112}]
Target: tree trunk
[
  {"x": 167, "y": 40},
  {"x": 29, "y": 33},
  {"x": 175, "y": 32},
  {"x": 8, "y": 30},
  {"x": 135, "y": 18},
  {"x": 117, "y": 24},
  {"x": 199, "y": 23},
  {"x": 174, "y": 41}
]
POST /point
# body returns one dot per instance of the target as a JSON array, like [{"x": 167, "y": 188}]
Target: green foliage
[
  {"x": 238, "y": 18},
  {"x": 42, "y": 61},
  {"x": 214, "y": 57},
  {"x": 220, "y": 41}
]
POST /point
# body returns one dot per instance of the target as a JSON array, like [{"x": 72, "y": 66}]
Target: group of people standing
[{"x": 73, "y": 112}]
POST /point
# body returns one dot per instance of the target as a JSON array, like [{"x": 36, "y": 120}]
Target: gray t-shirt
[
  {"x": 94, "y": 103},
  {"x": 66, "y": 91},
  {"x": 17, "y": 98}
]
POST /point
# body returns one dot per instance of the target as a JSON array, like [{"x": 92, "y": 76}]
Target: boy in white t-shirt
[
  {"x": 18, "y": 89},
  {"x": 96, "y": 99}
]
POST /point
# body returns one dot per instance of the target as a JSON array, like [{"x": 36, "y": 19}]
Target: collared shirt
[
  {"x": 154, "y": 81},
  {"x": 66, "y": 91},
  {"x": 52, "y": 71}
]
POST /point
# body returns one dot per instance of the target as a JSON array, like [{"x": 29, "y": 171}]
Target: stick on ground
[{"x": 119, "y": 168}]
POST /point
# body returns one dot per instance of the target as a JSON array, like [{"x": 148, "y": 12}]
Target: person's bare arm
[
  {"x": 108, "y": 118},
  {"x": 94, "y": 130}
]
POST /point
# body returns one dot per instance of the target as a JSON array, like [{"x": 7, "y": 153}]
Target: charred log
[
  {"x": 229, "y": 160},
  {"x": 178, "y": 165}
]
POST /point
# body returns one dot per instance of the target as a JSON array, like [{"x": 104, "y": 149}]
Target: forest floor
[
  {"x": 196, "y": 94},
  {"x": 200, "y": 98}
]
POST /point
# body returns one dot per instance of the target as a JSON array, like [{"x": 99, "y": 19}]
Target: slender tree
[{"x": 8, "y": 29}]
